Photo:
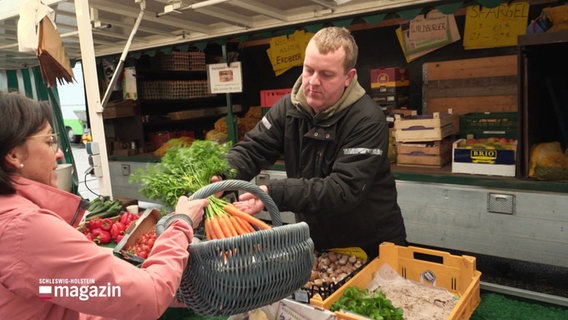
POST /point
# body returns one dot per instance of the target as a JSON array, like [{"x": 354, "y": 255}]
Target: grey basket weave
[{"x": 238, "y": 274}]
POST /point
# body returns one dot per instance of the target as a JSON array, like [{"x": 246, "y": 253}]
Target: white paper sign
[{"x": 225, "y": 78}]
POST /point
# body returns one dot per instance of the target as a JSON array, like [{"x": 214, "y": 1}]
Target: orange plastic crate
[
  {"x": 457, "y": 274},
  {"x": 269, "y": 97}
]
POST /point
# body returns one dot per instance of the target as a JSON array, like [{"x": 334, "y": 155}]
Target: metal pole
[
  {"x": 118, "y": 69},
  {"x": 232, "y": 128},
  {"x": 92, "y": 94}
]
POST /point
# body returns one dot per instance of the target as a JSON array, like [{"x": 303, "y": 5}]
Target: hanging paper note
[
  {"x": 225, "y": 78},
  {"x": 418, "y": 45},
  {"x": 426, "y": 32},
  {"x": 286, "y": 52},
  {"x": 495, "y": 27}
]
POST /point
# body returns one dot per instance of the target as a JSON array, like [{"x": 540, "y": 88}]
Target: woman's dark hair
[{"x": 20, "y": 117}]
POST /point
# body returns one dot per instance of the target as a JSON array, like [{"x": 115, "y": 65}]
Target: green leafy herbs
[
  {"x": 373, "y": 305},
  {"x": 183, "y": 170}
]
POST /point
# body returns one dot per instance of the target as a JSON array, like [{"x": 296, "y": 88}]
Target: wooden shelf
[
  {"x": 445, "y": 175},
  {"x": 536, "y": 39}
]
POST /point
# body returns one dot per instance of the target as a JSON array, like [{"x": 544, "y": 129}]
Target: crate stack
[
  {"x": 488, "y": 144},
  {"x": 390, "y": 88},
  {"x": 181, "y": 61},
  {"x": 424, "y": 140}
]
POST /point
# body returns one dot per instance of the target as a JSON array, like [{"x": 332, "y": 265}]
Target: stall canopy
[
  {"x": 171, "y": 22},
  {"x": 120, "y": 26}
]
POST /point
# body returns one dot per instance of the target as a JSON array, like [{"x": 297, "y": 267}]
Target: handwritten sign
[
  {"x": 415, "y": 40},
  {"x": 423, "y": 33},
  {"x": 225, "y": 78},
  {"x": 495, "y": 27},
  {"x": 286, "y": 52}
]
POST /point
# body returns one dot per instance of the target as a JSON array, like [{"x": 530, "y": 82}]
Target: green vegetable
[
  {"x": 183, "y": 170},
  {"x": 372, "y": 305},
  {"x": 104, "y": 207}
]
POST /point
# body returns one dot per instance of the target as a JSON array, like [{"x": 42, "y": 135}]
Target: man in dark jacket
[{"x": 334, "y": 139}]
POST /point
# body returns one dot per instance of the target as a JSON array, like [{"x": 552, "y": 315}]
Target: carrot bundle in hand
[
  {"x": 224, "y": 220},
  {"x": 231, "y": 209}
]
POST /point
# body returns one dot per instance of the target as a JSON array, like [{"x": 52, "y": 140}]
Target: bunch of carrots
[{"x": 224, "y": 220}]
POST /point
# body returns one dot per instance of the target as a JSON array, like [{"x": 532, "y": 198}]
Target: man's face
[{"x": 323, "y": 77}]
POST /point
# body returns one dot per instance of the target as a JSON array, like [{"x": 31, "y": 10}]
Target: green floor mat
[
  {"x": 492, "y": 307},
  {"x": 498, "y": 307}
]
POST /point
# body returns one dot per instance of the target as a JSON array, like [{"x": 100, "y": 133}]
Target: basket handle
[{"x": 233, "y": 184}]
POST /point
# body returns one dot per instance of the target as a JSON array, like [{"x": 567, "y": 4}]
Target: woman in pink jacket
[{"x": 48, "y": 269}]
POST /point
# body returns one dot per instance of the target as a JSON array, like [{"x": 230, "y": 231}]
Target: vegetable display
[
  {"x": 374, "y": 305},
  {"x": 183, "y": 170},
  {"x": 143, "y": 245},
  {"x": 103, "y": 208},
  {"x": 106, "y": 230},
  {"x": 332, "y": 268}
]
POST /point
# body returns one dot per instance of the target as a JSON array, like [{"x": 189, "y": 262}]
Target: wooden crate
[
  {"x": 202, "y": 112},
  {"x": 429, "y": 153},
  {"x": 428, "y": 127},
  {"x": 471, "y": 85},
  {"x": 124, "y": 108}
]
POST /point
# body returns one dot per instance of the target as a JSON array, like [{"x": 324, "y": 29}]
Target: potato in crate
[{"x": 330, "y": 271}]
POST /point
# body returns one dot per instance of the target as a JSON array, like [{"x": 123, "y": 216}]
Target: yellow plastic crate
[{"x": 457, "y": 274}]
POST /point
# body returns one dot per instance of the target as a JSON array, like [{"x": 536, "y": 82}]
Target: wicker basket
[{"x": 234, "y": 275}]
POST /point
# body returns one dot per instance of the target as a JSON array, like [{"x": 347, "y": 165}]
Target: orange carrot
[
  {"x": 238, "y": 228},
  {"x": 227, "y": 232},
  {"x": 231, "y": 209},
  {"x": 230, "y": 225},
  {"x": 244, "y": 224},
  {"x": 209, "y": 233},
  {"x": 216, "y": 226}
]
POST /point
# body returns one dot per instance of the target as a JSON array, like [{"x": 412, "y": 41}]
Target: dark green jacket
[{"x": 337, "y": 166}]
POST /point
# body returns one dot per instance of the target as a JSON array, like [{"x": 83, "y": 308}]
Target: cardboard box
[
  {"x": 287, "y": 309},
  {"x": 457, "y": 274},
  {"x": 389, "y": 77},
  {"x": 146, "y": 223},
  {"x": 483, "y": 159}
]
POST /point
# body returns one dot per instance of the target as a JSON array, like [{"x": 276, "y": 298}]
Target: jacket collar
[
  {"x": 351, "y": 94},
  {"x": 68, "y": 206}
]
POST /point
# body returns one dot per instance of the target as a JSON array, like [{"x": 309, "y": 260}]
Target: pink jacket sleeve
[{"x": 51, "y": 249}]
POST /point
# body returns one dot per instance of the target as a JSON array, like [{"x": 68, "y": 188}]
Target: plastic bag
[
  {"x": 559, "y": 17},
  {"x": 548, "y": 162},
  {"x": 31, "y": 13}
]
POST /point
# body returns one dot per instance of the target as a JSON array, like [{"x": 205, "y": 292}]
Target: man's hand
[
  {"x": 250, "y": 203},
  {"x": 217, "y": 179}
]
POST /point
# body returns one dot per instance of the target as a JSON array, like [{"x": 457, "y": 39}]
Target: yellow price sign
[
  {"x": 495, "y": 27},
  {"x": 286, "y": 52}
]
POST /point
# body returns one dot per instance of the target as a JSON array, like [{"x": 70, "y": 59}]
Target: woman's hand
[
  {"x": 192, "y": 208},
  {"x": 250, "y": 203}
]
